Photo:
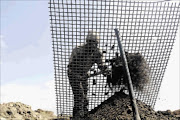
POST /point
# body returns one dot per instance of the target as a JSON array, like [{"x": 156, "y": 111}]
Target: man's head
[{"x": 92, "y": 38}]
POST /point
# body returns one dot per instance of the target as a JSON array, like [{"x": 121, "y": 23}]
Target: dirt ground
[
  {"x": 118, "y": 107},
  {"x": 20, "y": 111}
]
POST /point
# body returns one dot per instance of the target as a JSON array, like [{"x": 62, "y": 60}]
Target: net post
[{"x": 130, "y": 87}]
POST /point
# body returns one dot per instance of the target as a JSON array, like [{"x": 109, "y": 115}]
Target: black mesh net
[{"x": 85, "y": 49}]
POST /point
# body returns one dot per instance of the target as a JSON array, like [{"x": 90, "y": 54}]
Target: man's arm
[{"x": 99, "y": 61}]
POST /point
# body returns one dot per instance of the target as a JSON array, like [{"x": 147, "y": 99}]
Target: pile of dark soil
[{"x": 118, "y": 107}]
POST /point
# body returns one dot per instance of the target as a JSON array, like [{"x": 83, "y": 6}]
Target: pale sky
[{"x": 27, "y": 73}]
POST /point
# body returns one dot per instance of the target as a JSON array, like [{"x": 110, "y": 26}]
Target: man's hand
[{"x": 106, "y": 72}]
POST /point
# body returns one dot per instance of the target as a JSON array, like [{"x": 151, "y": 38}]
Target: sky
[{"x": 27, "y": 73}]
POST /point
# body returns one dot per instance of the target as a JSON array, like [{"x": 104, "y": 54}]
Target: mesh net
[{"x": 147, "y": 31}]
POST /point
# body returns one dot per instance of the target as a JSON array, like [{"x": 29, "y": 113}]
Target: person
[{"x": 81, "y": 60}]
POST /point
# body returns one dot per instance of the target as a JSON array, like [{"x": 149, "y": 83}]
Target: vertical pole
[{"x": 130, "y": 87}]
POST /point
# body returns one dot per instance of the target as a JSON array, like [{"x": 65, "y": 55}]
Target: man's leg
[
  {"x": 78, "y": 97},
  {"x": 85, "y": 98}
]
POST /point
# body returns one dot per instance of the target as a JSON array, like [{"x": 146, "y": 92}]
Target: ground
[
  {"x": 116, "y": 107},
  {"x": 20, "y": 111}
]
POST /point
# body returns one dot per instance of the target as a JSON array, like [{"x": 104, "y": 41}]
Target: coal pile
[{"x": 118, "y": 107}]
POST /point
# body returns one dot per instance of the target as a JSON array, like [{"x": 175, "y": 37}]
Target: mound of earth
[
  {"x": 118, "y": 107},
  {"x": 20, "y": 111}
]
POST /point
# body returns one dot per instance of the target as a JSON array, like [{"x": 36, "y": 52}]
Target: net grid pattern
[{"x": 148, "y": 28}]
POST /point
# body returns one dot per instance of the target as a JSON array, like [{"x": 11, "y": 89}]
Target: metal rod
[{"x": 130, "y": 87}]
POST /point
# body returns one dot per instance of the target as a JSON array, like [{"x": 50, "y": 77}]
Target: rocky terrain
[{"x": 20, "y": 111}]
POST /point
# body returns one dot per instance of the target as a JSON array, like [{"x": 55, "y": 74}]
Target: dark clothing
[
  {"x": 79, "y": 87},
  {"x": 83, "y": 58},
  {"x": 80, "y": 62}
]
